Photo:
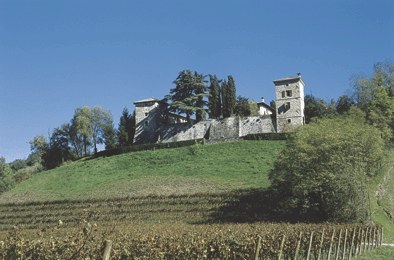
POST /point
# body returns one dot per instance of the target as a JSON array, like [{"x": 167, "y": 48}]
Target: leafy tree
[
  {"x": 229, "y": 97},
  {"x": 380, "y": 112},
  {"x": 317, "y": 108},
  {"x": 323, "y": 172},
  {"x": 6, "y": 179},
  {"x": 39, "y": 145},
  {"x": 374, "y": 96},
  {"x": 126, "y": 128},
  {"x": 58, "y": 150},
  {"x": 17, "y": 165},
  {"x": 188, "y": 95},
  {"x": 243, "y": 107},
  {"x": 215, "y": 102},
  {"x": 101, "y": 121},
  {"x": 343, "y": 104},
  {"x": 81, "y": 128}
]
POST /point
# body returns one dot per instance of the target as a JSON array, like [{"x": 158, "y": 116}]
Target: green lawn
[
  {"x": 382, "y": 253},
  {"x": 186, "y": 170}
]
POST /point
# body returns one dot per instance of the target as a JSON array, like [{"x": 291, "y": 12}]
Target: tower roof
[
  {"x": 290, "y": 79},
  {"x": 147, "y": 100}
]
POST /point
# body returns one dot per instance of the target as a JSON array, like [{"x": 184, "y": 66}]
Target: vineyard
[
  {"x": 182, "y": 241},
  {"x": 169, "y": 227},
  {"x": 197, "y": 208}
]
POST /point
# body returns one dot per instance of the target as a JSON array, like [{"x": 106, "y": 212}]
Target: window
[
  {"x": 289, "y": 93},
  {"x": 146, "y": 114},
  {"x": 146, "y": 123},
  {"x": 287, "y": 106},
  {"x": 283, "y": 94},
  {"x": 289, "y": 120}
]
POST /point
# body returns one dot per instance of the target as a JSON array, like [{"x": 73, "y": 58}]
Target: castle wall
[
  {"x": 228, "y": 128},
  {"x": 175, "y": 133},
  {"x": 256, "y": 125}
]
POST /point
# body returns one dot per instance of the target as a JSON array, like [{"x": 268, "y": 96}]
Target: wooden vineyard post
[
  {"x": 366, "y": 239},
  {"x": 374, "y": 238},
  {"x": 107, "y": 249},
  {"x": 310, "y": 246},
  {"x": 360, "y": 250},
  {"x": 352, "y": 243},
  {"x": 344, "y": 245},
  {"x": 331, "y": 242},
  {"x": 321, "y": 244},
  {"x": 257, "y": 254},
  {"x": 359, "y": 239},
  {"x": 298, "y": 247},
  {"x": 339, "y": 244},
  {"x": 281, "y": 247},
  {"x": 369, "y": 239},
  {"x": 381, "y": 236}
]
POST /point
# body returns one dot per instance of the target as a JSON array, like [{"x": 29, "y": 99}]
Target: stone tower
[
  {"x": 289, "y": 103},
  {"x": 147, "y": 119}
]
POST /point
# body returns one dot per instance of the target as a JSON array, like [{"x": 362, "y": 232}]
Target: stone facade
[
  {"x": 152, "y": 126},
  {"x": 289, "y": 103}
]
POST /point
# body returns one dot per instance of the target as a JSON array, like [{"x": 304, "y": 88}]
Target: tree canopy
[
  {"x": 323, "y": 171},
  {"x": 188, "y": 95}
]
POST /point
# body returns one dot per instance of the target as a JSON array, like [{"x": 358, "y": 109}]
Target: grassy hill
[
  {"x": 187, "y": 170},
  {"x": 382, "y": 197}
]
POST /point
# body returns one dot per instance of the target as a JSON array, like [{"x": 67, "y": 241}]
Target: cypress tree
[
  {"x": 215, "y": 104},
  {"x": 225, "y": 92},
  {"x": 232, "y": 95}
]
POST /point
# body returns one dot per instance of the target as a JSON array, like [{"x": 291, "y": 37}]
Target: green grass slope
[
  {"x": 187, "y": 170},
  {"x": 382, "y": 198}
]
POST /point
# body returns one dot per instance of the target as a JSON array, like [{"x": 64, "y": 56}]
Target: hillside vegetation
[{"x": 188, "y": 170}]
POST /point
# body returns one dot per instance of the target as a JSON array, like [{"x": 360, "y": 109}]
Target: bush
[
  {"x": 268, "y": 136},
  {"x": 322, "y": 174},
  {"x": 145, "y": 147}
]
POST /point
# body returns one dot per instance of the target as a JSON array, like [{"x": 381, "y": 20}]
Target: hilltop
[{"x": 188, "y": 170}]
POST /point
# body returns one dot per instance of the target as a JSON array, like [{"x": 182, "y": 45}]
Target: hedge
[
  {"x": 145, "y": 147},
  {"x": 268, "y": 136}
]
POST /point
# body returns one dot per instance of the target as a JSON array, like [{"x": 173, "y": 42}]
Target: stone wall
[
  {"x": 216, "y": 130},
  {"x": 256, "y": 125},
  {"x": 227, "y": 128},
  {"x": 183, "y": 132}
]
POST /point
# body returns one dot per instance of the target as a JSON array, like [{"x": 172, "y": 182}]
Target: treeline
[
  {"x": 372, "y": 95},
  {"x": 192, "y": 97},
  {"x": 88, "y": 128}
]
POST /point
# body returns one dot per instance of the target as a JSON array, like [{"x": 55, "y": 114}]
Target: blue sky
[{"x": 56, "y": 56}]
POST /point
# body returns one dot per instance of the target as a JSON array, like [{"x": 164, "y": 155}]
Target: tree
[
  {"x": 6, "y": 179},
  {"x": 380, "y": 112},
  {"x": 101, "y": 123},
  {"x": 188, "y": 95},
  {"x": 126, "y": 128},
  {"x": 374, "y": 96},
  {"x": 323, "y": 172},
  {"x": 229, "y": 96},
  {"x": 242, "y": 107},
  {"x": 317, "y": 108},
  {"x": 215, "y": 102},
  {"x": 109, "y": 135},
  {"x": 343, "y": 104},
  {"x": 58, "y": 150},
  {"x": 81, "y": 129}
]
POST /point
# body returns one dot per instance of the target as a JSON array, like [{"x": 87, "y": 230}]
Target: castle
[{"x": 154, "y": 125}]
